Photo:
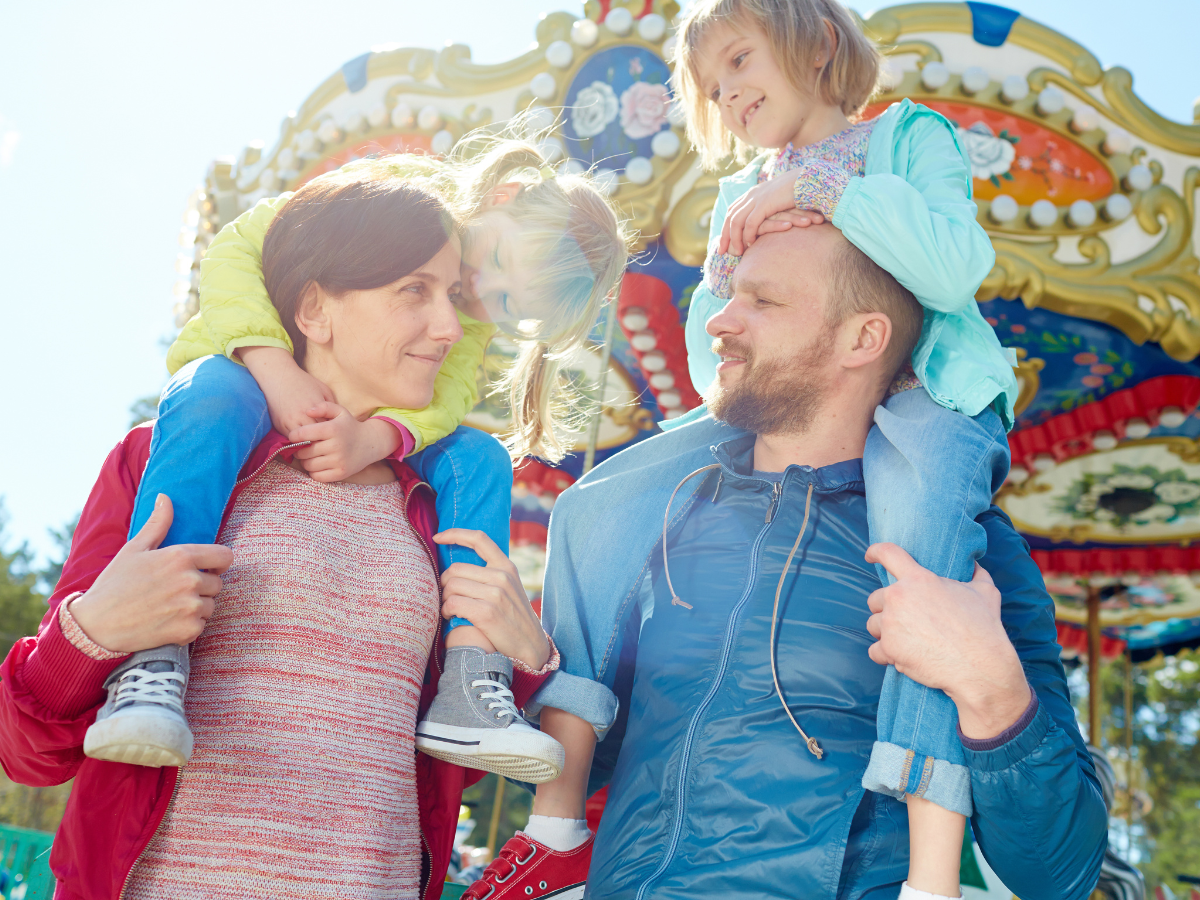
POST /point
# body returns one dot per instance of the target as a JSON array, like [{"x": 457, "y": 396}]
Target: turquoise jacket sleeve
[{"x": 922, "y": 228}]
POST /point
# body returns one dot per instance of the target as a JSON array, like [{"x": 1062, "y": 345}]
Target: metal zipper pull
[{"x": 776, "y": 491}]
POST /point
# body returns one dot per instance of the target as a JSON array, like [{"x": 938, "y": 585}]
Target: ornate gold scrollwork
[{"x": 1028, "y": 379}]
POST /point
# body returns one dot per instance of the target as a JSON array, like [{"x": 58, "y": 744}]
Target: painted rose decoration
[
  {"x": 1124, "y": 495},
  {"x": 991, "y": 155},
  {"x": 644, "y": 109},
  {"x": 595, "y": 107}
]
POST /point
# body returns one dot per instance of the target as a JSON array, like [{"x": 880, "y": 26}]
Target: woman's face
[{"x": 383, "y": 347}]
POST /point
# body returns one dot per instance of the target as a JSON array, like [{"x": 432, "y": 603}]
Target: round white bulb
[
  {"x": 1172, "y": 417},
  {"x": 328, "y": 132},
  {"x": 268, "y": 180},
  {"x": 402, "y": 115},
  {"x": 639, "y": 170},
  {"x": 654, "y": 361},
  {"x": 1117, "y": 207},
  {"x": 1084, "y": 119},
  {"x": 669, "y": 399},
  {"x": 356, "y": 121},
  {"x": 619, "y": 20},
  {"x": 651, "y": 28},
  {"x": 1117, "y": 141},
  {"x": 306, "y": 141},
  {"x": 1137, "y": 429},
  {"x": 1104, "y": 440},
  {"x": 286, "y": 158},
  {"x": 1081, "y": 214},
  {"x": 934, "y": 75},
  {"x": 1003, "y": 208},
  {"x": 635, "y": 319},
  {"x": 975, "y": 79},
  {"x": 1139, "y": 178},
  {"x": 643, "y": 341},
  {"x": 1017, "y": 474},
  {"x": 668, "y": 48},
  {"x": 1050, "y": 100},
  {"x": 890, "y": 74},
  {"x": 572, "y": 167},
  {"x": 1014, "y": 88},
  {"x": 429, "y": 118},
  {"x": 665, "y": 144},
  {"x": 606, "y": 181},
  {"x": 660, "y": 381},
  {"x": 1043, "y": 214},
  {"x": 378, "y": 116},
  {"x": 544, "y": 86},
  {"x": 442, "y": 142},
  {"x": 559, "y": 54},
  {"x": 539, "y": 118},
  {"x": 1043, "y": 462},
  {"x": 552, "y": 149},
  {"x": 584, "y": 32}
]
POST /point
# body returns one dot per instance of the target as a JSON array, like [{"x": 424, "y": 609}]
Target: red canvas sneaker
[{"x": 524, "y": 868}]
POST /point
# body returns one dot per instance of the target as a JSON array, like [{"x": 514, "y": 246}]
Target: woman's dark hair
[{"x": 350, "y": 230}]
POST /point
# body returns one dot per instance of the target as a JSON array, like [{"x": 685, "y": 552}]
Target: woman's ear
[
  {"x": 312, "y": 314},
  {"x": 503, "y": 193}
]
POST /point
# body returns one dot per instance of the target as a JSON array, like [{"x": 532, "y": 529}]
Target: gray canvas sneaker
[
  {"x": 474, "y": 723},
  {"x": 142, "y": 721}
]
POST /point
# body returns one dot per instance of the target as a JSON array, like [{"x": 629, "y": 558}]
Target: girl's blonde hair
[
  {"x": 797, "y": 32},
  {"x": 578, "y": 247}
]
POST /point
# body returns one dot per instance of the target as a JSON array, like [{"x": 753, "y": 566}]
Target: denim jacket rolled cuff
[
  {"x": 582, "y": 697},
  {"x": 718, "y": 274},
  {"x": 61, "y": 677},
  {"x": 819, "y": 186},
  {"x": 1017, "y": 748}
]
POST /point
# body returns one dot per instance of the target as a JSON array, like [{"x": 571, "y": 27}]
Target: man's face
[{"x": 773, "y": 338}]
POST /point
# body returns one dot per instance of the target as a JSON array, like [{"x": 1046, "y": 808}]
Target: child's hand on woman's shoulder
[
  {"x": 290, "y": 391},
  {"x": 340, "y": 446},
  {"x": 757, "y": 212}
]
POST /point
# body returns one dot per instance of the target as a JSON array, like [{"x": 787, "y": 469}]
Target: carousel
[{"x": 1087, "y": 193}]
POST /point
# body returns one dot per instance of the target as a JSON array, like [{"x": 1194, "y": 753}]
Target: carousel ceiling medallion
[
  {"x": 1088, "y": 193},
  {"x": 1141, "y": 492}
]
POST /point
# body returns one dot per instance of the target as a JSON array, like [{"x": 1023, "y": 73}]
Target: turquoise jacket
[{"x": 913, "y": 215}]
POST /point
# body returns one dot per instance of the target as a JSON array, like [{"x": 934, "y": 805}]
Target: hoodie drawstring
[{"x": 675, "y": 601}]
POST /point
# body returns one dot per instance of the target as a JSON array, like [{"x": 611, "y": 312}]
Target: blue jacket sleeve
[
  {"x": 1039, "y": 815},
  {"x": 917, "y": 220}
]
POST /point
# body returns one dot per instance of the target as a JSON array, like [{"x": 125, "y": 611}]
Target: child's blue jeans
[
  {"x": 211, "y": 417},
  {"x": 930, "y": 472}
]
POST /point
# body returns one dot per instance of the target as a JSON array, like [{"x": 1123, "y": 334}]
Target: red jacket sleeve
[{"x": 49, "y": 690}]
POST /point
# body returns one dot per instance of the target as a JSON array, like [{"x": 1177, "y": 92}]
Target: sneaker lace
[
  {"x": 142, "y": 686},
  {"x": 500, "y": 695}
]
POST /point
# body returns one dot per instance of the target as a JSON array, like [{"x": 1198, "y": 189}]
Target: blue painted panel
[{"x": 990, "y": 24}]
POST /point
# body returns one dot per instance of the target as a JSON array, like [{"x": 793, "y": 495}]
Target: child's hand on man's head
[
  {"x": 756, "y": 208},
  {"x": 340, "y": 446}
]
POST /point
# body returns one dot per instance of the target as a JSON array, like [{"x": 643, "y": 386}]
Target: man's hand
[
  {"x": 147, "y": 597},
  {"x": 341, "y": 446},
  {"x": 746, "y": 217},
  {"x": 290, "y": 391},
  {"x": 493, "y": 598},
  {"x": 948, "y": 635}
]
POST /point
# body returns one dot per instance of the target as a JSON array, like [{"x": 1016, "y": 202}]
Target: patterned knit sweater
[{"x": 303, "y": 701}]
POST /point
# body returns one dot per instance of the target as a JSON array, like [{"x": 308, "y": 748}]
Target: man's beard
[{"x": 777, "y": 396}]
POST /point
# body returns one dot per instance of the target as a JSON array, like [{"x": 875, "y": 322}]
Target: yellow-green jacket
[{"x": 236, "y": 312}]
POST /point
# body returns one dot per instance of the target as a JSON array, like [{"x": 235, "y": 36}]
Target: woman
[{"x": 327, "y": 619}]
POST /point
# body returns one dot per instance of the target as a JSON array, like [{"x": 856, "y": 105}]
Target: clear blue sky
[{"x": 110, "y": 113}]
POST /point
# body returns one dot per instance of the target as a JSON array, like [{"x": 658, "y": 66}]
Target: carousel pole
[
  {"x": 610, "y": 323},
  {"x": 1093, "y": 639},
  {"x": 1128, "y": 748},
  {"x": 494, "y": 825}
]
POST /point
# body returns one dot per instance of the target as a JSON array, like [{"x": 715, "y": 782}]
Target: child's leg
[
  {"x": 471, "y": 474},
  {"x": 566, "y": 795},
  {"x": 930, "y": 472},
  {"x": 211, "y": 416}
]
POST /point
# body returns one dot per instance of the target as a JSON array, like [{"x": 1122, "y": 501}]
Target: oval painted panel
[
  {"x": 617, "y": 102},
  {"x": 1020, "y": 157}
]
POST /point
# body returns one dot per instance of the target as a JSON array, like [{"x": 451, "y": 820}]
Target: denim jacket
[
  {"x": 913, "y": 215},
  {"x": 704, "y": 733}
]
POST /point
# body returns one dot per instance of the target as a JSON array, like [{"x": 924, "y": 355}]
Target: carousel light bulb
[
  {"x": 1003, "y": 208},
  {"x": 1104, "y": 440},
  {"x": 1043, "y": 214},
  {"x": 1139, "y": 178},
  {"x": 1044, "y": 462},
  {"x": 639, "y": 170},
  {"x": 652, "y": 27},
  {"x": 286, "y": 158},
  {"x": 1137, "y": 429},
  {"x": 1117, "y": 142},
  {"x": 584, "y": 32},
  {"x": 934, "y": 75},
  {"x": 306, "y": 141},
  {"x": 669, "y": 399},
  {"x": 572, "y": 167},
  {"x": 543, "y": 86},
  {"x": 1117, "y": 207},
  {"x": 552, "y": 149},
  {"x": 378, "y": 116},
  {"x": 268, "y": 180},
  {"x": 1081, "y": 214},
  {"x": 442, "y": 142},
  {"x": 890, "y": 74},
  {"x": 356, "y": 121},
  {"x": 654, "y": 361},
  {"x": 660, "y": 381},
  {"x": 643, "y": 341},
  {"x": 559, "y": 54},
  {"x": 665, "y": 144},
  {"x": 1014, "y": 88},
  {"x": 670, "y": 45},
  {"x": 328, "y": 132},
  {"x": 402, "y": 115},
  {"x": 539, "y": 118},
  {"x": 975, "y": 79},
  {"x": 635, "y": 319},
  {"x": 606, "y": 181},
  {"x": 674, "y": 413},
  {"x": 1017, "y": 475},
  {"x": 1172, "y": 417},
  {"x": 429, "y": 118},
  {"x": 619, "y": 21},
  {"x": 1050, "y": 100},
  {"x": 1084, "y": 119}
]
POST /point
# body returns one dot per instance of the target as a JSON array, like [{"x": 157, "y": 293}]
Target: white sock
[
  {"x": 560, "y": 835},
  {"x": 907, "y": 893}
]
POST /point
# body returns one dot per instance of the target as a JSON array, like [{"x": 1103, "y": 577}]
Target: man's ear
[
  {"x": 504, "y": 193},
  {"x": 870, "y": 334},
  {"x": 312, "y": 314}
]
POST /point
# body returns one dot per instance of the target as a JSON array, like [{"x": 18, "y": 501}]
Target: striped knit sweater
[{"x": 303, "y": 700}]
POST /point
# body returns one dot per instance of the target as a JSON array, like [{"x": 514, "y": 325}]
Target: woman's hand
[
  {"x": 290, "y": 391},
  {"x": 340, "y": 446},
  {"x": 493, "y": 598},
  {"x": 148, "y": 597},
  {"x": 748, "y": 213}
]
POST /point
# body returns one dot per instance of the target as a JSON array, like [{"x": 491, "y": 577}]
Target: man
[{"x": 743, "y": 652}]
